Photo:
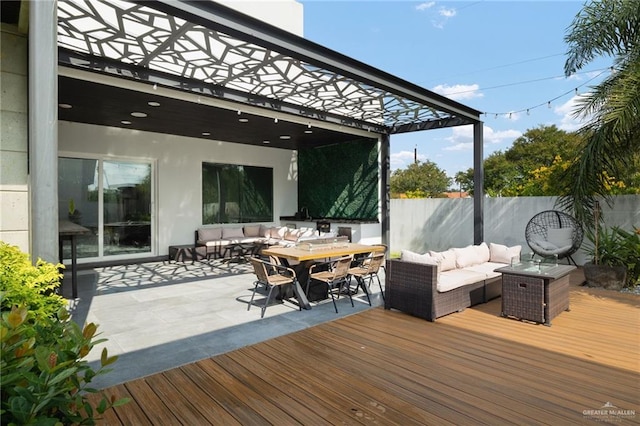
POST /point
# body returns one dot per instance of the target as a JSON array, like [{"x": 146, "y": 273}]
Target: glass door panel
[
  {"x": 127, "y": 207},
  {"x": 78, "y": 202}
]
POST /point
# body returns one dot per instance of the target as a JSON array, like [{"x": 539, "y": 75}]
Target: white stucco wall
[
  {"x": 439, "y": 223},
  {"x": 14, "y": 124},
  {"x": 285, "y": 14},
  {"x": 178, "y": 171}
]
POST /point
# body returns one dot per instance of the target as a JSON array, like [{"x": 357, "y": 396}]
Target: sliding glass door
[{"x": 111, "y": 198}]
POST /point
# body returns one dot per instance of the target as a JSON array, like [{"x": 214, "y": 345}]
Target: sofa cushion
[
  {"x": 447, "y": 259},
  {"x": 486, "y": 268},
  {"x": 278, "y": 232},
  {"x": 232, "y": 233},
  {"x": 209, "y": 234},
  {"x": 252, "y": 231},
  {"x": 292, "y": 235},
  {"x": 307, "y": 232},
  {"x": 503, "y": 254},
  {"x": 455, "y": 278},
  {"x": 482, "y": 250},
  {"x": 410, "y": 256},
  {"x": 265, "y": 231},
  {"x": 560, "y": 237},
  {"x": 469, "y": 256},
  {"x": 544, "y": 244}
]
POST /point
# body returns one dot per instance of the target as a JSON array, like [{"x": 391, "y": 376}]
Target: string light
[{"x": 547, "y": 103}]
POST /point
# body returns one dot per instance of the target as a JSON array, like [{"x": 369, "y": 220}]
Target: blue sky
[{"x": 498, "y": 57}]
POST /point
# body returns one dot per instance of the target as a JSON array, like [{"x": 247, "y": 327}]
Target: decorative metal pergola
[
  {"x": 210, "y": 49},
  {"x": 206, "y": 48}
]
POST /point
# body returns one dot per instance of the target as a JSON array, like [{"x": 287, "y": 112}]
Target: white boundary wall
[{"x": 440, "y": 223}]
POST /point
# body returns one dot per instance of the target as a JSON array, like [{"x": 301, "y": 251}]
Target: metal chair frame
[
  {"x": 367, "y": 270},
  {"x": 336, "y": 277},
  {"x": 271, "y": 276}
]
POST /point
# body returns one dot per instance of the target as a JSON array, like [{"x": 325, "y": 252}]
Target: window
[{"x": 236, "y": 194}]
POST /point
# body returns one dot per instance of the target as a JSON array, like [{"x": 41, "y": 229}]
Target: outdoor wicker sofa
[{"x": 434, "y": 284}]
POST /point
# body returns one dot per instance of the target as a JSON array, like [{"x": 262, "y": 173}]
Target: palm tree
[{"x": 612, "y": 135}]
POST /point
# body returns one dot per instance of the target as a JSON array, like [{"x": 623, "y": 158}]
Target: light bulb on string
[
  {"x": 549, "y": 104},
  {"x": 528, "y": 112}
]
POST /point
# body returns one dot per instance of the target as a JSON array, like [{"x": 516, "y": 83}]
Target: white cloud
[
  {"x": 425, "y": 5},
  {"x": 459, "y": 92},
  {"x": 447, "y": 13},
  {"x": 461, "y": 138},
  {"x": 568, "y": 121},
  {"x": 400, "y": 160},
  {"x": 438, "y": 17}
]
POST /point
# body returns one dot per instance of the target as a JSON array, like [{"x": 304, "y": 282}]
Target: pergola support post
[
  {"x": 385, "y": 179},
  {"x": 478, "y": 183}
]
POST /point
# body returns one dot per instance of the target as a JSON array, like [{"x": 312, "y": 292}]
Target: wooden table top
[
  {"x": 319, "y": 251},
  {"x": 67, "y": 228}
]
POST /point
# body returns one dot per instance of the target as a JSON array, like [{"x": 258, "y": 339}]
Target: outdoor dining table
[{"x": 307, "y": 254}]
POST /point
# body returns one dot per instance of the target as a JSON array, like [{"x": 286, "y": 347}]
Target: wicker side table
[{"x": 535, "y": 295}]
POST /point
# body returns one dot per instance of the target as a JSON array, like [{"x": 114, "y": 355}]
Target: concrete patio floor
[{"x": 160, "y": 315}]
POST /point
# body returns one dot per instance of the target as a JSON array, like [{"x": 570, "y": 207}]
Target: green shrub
[
  {"x": 24, "y": 283},
  {"x": 45, "y": 378},
  {"x": 617, "y": 247}
]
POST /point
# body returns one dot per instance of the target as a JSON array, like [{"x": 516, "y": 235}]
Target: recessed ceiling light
[
  {"x": 153, "y": 103},
  {"x": 265, "y": 142},
  {"x": 243, "y": 120},
  {"x": 125, "y": 122},
  {"x": 139, "y": 114},
  {"x": 285, "y": 137},
  {"x": 308, "y": 131},
  {"x": 65, "y": 106},
  {"x": 206, "y": 134}
]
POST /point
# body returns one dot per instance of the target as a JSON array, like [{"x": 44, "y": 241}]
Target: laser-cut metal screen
[{"x": 139, "y": 36}]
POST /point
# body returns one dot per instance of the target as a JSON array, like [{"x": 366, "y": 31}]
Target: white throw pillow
[
  {"x": 482, "y": 251},
  {"x": 410, "y": 256},
  {"x": 447, "y": 259},
  {"x": 503, "y": 254},
  {"x": 265, "y": 231},
  {"x": 292, "y": 235},
  {"x": 560, "y": 237},
  {"x": 467, "y": 256},
  {"x": 278, "y": 232}
]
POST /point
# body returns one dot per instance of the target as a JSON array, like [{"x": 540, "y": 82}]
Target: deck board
[{"x": 389, "y": 368}]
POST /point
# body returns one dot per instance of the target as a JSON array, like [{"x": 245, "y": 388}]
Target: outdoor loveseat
[{"x": 435, "y": 284}]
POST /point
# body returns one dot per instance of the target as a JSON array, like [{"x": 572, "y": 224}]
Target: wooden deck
[{"x": 385, "y": 367}]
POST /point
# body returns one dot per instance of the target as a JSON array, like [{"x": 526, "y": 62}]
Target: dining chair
[
  {"x": 336, "y": 277},
  {"x": 271, "y": 276},
  {"x": 366, "y": 271}
]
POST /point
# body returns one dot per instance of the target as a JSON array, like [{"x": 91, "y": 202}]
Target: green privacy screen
[{"x": 340, "y": 181}]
